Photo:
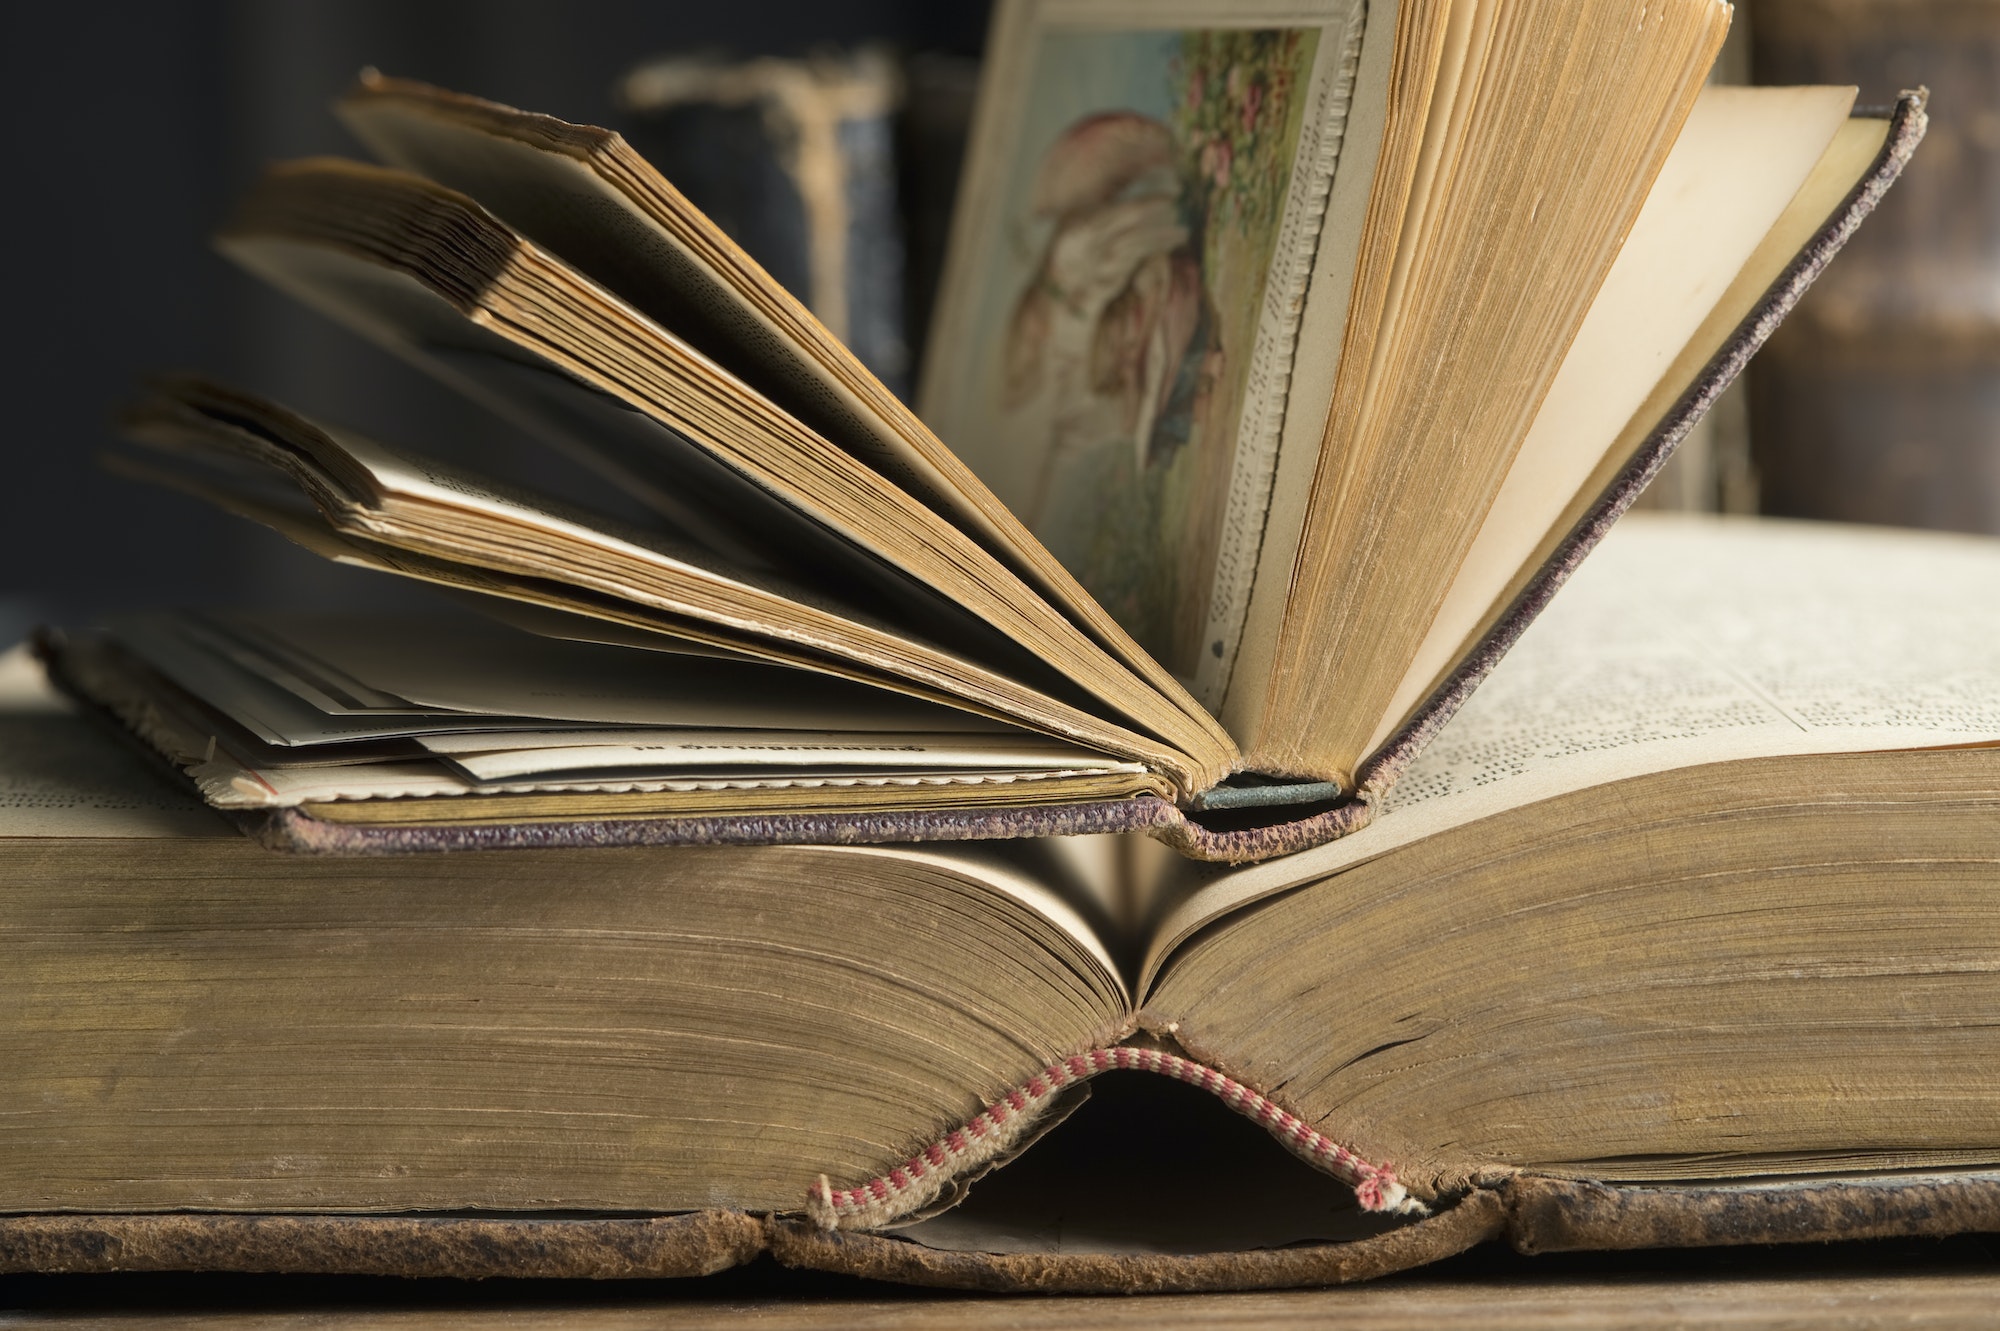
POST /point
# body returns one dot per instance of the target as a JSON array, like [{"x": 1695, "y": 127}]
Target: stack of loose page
[{"x": 377, "y": 718}]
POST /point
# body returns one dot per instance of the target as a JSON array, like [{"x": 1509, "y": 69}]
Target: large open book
[
  {"x": 1286, "y": 368},
  {"x": 1683, "y": 930}
]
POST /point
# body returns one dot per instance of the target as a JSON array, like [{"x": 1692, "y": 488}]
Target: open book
[
  {"x": 1684, "y": 930},
  {"x": 1285, "y": 371}
]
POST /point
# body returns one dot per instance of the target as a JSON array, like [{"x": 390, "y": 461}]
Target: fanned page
[
  {"x": 1493, "y": 273},
  {"x": 1753, "y": 175},
  {"x": 255, "y": 709},
  {"x": 1686, "y": 641},
  {"x": 587, "y": 196},
  {"x": 418, "y": 267},
  {"x": 415, "y": 515}
]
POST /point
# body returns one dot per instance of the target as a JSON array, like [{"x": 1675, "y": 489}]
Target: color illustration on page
[{"x": 1104, "y": 348}]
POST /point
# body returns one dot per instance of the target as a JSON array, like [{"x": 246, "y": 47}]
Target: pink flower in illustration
[
  {"x": 1224, "y": 158},
  {"x": 1197, "y": 87},
  {"x": 1253, "y": 101},
  {"x": 1235, "y": 83}
]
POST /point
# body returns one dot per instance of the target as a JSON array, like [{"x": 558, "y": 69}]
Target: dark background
[{"x": 133, "y": 125}]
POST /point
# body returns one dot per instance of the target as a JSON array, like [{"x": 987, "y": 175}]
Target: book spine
[{"x": 920, "y": 1180}]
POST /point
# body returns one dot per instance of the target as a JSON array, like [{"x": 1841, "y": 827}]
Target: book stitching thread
[{"x": 924, "y": 1176}]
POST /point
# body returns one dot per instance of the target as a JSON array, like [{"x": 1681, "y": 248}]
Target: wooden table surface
[
  {"x": 1937, "y": 1300},
  {"x": 1952, "y": 1282}
]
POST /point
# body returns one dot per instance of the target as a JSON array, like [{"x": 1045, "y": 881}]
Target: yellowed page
[
  {"x": 1432, "y": 409},
  {"x": 24, "y": 689},
  {"x": 1740, "y": 160},
  {"x": 1692, "y": 640},
  {"x": 556, "y": 197},
  {"x": 572, "y": 753},
  {"x": 948, "y": 580},
  {"x": 422, "y": 791},
  {"x": 585, "y": 194},
  {"x": 468, "y": 666},
  {"x": 534, "y": 607},
  {"x": 1052, "y": 886}
]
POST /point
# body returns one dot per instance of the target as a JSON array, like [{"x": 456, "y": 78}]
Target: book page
[
  {"x": 653, "y": 250},
  {"x": 62, "y": 776},
  {"x": 851, "y": 581},
  {"x": 1692, "y": 640},
  {"x": 1545, "y": 158},
  {"x": 573, "y": 754},
  {"x": 465, "y": 665},
  {"x": 1742, "y": 157},
  {"x": 1241, "y": 675},
  {"x": 247, "y": 742},
  {"x": 1061, "y": 888},
  {"x": 584, "y": 194},
  {"x": 1130, "y": 261},
  {"x": 388, "y": 791},
  {"x": 553, "y": 610},
  {"x": 961, "y": 595}
]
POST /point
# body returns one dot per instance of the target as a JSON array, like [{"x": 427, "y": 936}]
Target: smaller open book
[{"x": 1278, "y": 401}]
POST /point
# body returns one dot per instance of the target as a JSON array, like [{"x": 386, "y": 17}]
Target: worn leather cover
[
  {"x": 1559, "y": 1215},
  {"x": 1533, "y": 1214},
  {"x": 460, "y": 1247}
]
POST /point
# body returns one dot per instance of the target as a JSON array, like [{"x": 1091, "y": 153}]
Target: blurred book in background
[
  {"x": 796, "y": 160},
  {"x": 938, "y": 94},
  {"x": 1879, "y": 400}
]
